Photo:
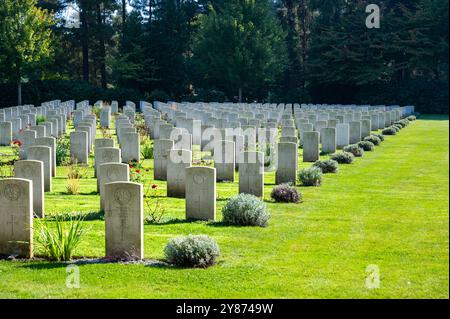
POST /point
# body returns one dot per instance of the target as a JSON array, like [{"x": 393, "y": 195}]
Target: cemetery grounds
[{"x": 388, "y": 211}]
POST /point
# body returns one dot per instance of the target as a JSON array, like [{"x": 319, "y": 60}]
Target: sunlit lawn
[{"x": 389, "y": 209}]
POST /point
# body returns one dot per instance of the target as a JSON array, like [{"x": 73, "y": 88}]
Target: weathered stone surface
[
  {"x": 355, "y": 132},
  {"x": 43, "y": 154},
  {"x": 16, "y": 217},
  {"x": 79, "y": 146},
  {"x": 178, "y": 161},
  {"x": 106, "y": 155},
  {"x": 50, "y": 142},
  {"x": 109, "y": 173},
  {"x": 5, "y": 133},
  {"x": 33, "y": 171},
  {"x": 311, "y": 151},
  {"x": 131, "y": 147},
  {"x": 251, "y": 174},
  {"x": 161, "y": 153},
  {"x": 124, "y": 220},
  {"x": 329, "y": 140},
  {"x": 224, "y": 160},
  {"x": 342, "y": 135},
  {"x": 287, "y": 163},
  {"x": 200, "y": 193}
]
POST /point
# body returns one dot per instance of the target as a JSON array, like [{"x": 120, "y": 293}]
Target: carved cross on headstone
[{"x": 14, "y": 222}]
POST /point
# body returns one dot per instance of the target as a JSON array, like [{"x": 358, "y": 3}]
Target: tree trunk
[
  {"x": 124, "y": 16},
  {"x": 84, "y": 40},
  {"x": 102, "y": 49},
  {"x": 303, "y": 14},
  {"x": 19, "y": 93}
]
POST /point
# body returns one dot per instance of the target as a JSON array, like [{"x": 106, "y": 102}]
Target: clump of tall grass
[
  {"x": 59, "y": 238},
  {"x": 73, "y": 186},
  {"x": 74, "y": 174}
]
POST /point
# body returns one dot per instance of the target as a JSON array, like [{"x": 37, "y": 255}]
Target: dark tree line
[{"x": 265, "y": 50}]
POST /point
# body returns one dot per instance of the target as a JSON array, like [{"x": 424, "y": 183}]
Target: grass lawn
[{"x": 390, "y": 209}]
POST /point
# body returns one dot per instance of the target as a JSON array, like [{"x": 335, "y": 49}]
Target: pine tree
[{"x": 240, "y": 50}]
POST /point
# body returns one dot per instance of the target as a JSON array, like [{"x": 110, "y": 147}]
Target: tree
[
  {"x": 25, "y": 39},
  {"x": 241, "y": 49}
]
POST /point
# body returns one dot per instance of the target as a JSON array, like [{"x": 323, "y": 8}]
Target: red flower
[{"x": 138, "y": 171}]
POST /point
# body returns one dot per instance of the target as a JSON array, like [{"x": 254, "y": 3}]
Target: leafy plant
[
  {"x": 380, "y": 136},
  {"x": 366, "y": 146},
  {"x": 40, "y": 119},
  {"x": 311, "y": 176},
  {"x": 285, "y": 193},
  {"x": 328, "y": 166},
  {"x": 403, "y": 123},
  {"x": 62, "y": 151},
  {"x": 411, "y": 118},
  {"x": 389, "y": 131},
  {"x": 147, "y": 151},
  {"x": 245, "y": 210},
  {"x": 59, "y": 242},
  {"x": 343, "y": 158},
  {"x": 155, "y": 210},
  {"x": 354, "y": 149},
  {"x": 135, "y": 172},
  {"x": 375, "y": 140},
  {"x": 196, "y": 251}
]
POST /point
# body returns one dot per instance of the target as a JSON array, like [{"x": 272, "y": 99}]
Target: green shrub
[
  {"x": 245, "y": 210},
  {"x": 343, "y": 158},
  {"x": 355, "y": 150},
  {"x": 40, "y": 119},
  {"x": 158, "y": 95},
  {"x": 311, "y": 176},
  {"x": 403, "y": 123},
  {"x": 375, "y": 140},
  {"x": 59, "y": 240},
  {"x": 380, "y": 136},
  {"x": 285, "y": 193},
  {"x": 147, "y": 151},
  {"x": 211, "y": 95},
  {"x": 389, "y": 131},
  {"x": 328, "y": 166},
  {"x": 411, "y": 118},
  {"x": 196, "y": 251},
  {"x": 62, "y": 151},
  {"x": 366, "y": 146}
]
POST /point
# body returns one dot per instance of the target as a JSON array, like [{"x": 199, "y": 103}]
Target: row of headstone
[{"x": 15, "y": 121}]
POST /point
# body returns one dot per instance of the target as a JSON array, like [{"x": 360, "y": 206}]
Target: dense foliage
[
  {"x": 213, "y": 50},
  {"x": 245, "y": 210},
  {"x": 285, "y": 193},
  {"x": 195, "y": 251}
]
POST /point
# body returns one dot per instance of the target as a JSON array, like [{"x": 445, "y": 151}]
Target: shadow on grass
[
  {"x": 433, "y": 117},
  {"x": 91, "y": 216},
  {"x": 43, "y": 265},
  {"x": 161, "y": 264},
  {"x": 174, "y": 221}
]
